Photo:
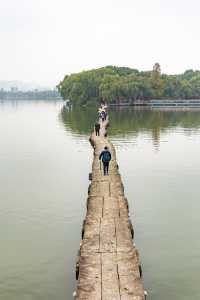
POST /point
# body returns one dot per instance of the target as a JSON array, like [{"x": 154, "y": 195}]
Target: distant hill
[{"x": 22, "y": 86}]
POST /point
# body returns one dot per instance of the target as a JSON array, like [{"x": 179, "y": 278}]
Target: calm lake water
[{"x": 45, "y": 158}]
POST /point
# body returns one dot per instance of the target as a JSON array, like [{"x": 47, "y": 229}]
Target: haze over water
[{"x": 45, "y": 158}]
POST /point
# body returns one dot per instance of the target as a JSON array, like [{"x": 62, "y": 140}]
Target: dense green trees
[{"x": 121, "y": 84}]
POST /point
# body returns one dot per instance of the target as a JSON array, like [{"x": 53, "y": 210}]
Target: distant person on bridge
[
  {"x": 97, "y": 129},
  {"x": 103, "y": 115},
  {"x": 105, "y": 156}
]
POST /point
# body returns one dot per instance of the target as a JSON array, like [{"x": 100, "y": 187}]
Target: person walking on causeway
[
  {"x": 97, "y": 129},
  {"x": 103, "y": 115},
  {"x": 105, "y": 156}
]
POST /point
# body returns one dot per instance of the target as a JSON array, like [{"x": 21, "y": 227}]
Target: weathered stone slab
[
  {"x": 111, "y": 207},
  {"x": 95, "y": 207},
  {"x": 91, "y": 241},
  {"x": 110, "y": 279},
  {"x": 123, "y": 233},
  {"x": 101, "y": 188},
  {"x": 89, "y": 282},
  {"x": 108, "y": 235}
]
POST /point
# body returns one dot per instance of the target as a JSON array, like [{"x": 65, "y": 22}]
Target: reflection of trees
[
  {"x": 79, "y": 120},
  {"x": 156, "y": 137},
  {"x": 126, "y": 121}
]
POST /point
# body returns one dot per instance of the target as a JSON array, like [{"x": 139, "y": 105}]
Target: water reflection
[{"x": 127, "y": 123}]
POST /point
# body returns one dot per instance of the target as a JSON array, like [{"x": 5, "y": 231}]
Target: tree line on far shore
[
  {"x": 122, "y": 84},
  {"x": 29, "y": 95}
]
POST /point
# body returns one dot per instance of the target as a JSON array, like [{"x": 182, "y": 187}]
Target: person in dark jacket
[
  {"x": 105, "y": 156},
  {"x": 97, "y": 129}
]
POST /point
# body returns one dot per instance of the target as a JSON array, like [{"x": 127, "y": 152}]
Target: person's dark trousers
[
  {"x": 105, "y": 167},
  {"x": 97, "y": 132}
]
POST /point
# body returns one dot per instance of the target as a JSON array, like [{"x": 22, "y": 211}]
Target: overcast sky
[{"x": 42, "y": 40}]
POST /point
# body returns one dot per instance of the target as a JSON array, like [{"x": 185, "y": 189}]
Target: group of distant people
[
  {"x": 102, "y": 114},
  {"x": 105, "y": 156}
]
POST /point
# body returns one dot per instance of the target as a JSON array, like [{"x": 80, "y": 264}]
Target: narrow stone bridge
[{"x": 108, "y": 266}]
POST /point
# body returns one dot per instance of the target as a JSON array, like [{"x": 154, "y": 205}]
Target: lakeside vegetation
[{"x": 122, "y": 84}]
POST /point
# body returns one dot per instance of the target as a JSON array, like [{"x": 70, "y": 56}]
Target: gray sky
[{"x": 42, "y": 40}]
